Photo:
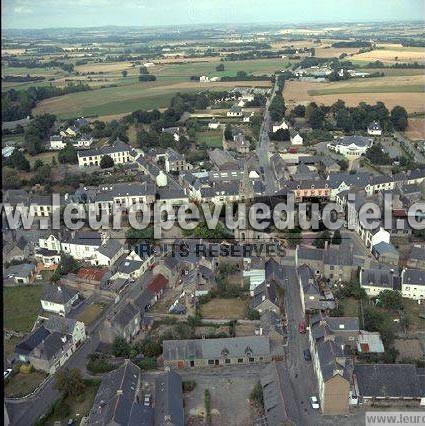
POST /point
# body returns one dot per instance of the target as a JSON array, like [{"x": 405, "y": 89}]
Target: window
[
  {"x": 227, "y": 361},
  {"x": 240, "y": 360},
  {"x": 251, "y": 359},
  {"x": 210, "y": 362}
]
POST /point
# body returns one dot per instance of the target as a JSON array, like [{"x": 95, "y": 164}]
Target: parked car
[
  {"x": 314, "y": 402},
  {"x": 307, "y": 355},
  {"x": 147, "y": 402},
  {"x": 301, "y": 327},
  {"x": 7, "y": 373}
]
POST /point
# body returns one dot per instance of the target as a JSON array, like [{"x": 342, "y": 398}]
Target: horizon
[{"x": 25, "y": 15}]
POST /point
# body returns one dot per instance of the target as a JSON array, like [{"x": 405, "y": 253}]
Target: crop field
[
  {"x": 127, "y": 98},
  {"x": 334, "y": 52},
  {"x": 403, "y": 90},
  {"x": 416, "y": 129},
  {"x": 210, "y": 138},
  {"x": 392, "y": 55}
]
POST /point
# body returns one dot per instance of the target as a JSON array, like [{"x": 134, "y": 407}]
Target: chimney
[{"x": 326, "y": 244}]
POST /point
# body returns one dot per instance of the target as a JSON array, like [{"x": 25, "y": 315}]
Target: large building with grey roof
[{"x": 214, "y": 352}]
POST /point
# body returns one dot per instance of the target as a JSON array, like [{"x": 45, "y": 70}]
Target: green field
[
  {"x": 394, "y": 72},
  {"x": 210, "y": 138},
  {"x": 21, "y": 306},
  {"x": 415, "y": 88}
]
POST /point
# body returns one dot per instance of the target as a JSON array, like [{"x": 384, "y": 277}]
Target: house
[
  {"x": 7, "y": 151},
  {"x": 296, "y": 138},
  {"x": 383, "y": 384},
  {"x": 271, "y": 325},
  {"x": 376, "y": 280},
  {"x": 175, "y": 162},
  {"x": 15, "y": 250},
  {"x": 274, "y": 272},
  {"x": 374, "y": 129},
  {"x": 133, "y": 266},
  {"x": 173, "y": 131},
  {"x": 57, "y": 142},
  {"x": 254, "y": 273},
  {"x": 170, "y": 267},
  {"x": 214, "y": 125},
  {"x": 351, "y": 146},
  {"x": 58, "y": 299},
  {"x": 45, "y": 350},
  {"x": 235, "y": 111},
  {"x": 125, "y": 323},
  {"x": 386, "y": 253},
  {"x": 247, "y": 117},
  {"x": 283, "y": 125},
  {"x": 70, "y": 131},
  {"x": 107, "y": 254},
  {"x": 333, "y": 376},
  {"x": 265, "y": 298},
  {"x": 416, "y": 257},
  {"x": 169, "y": 399},
  {"x": 156, "y": 287},
  {"x": 241, "y": 144},
  {"x": 214, "y": 352},
  {"x": 24, "y": 273},
  {"x": 413, "y": 284},
  {"x": 343, "y": 329},
  {"x": 119, "y": 400},
  {"x": 81, "y": 122},
  {"x": 83, "y": 245},
  {"x": 309, "y": 290},
  {"x": 49, "y": 259},
  {"x": 71, "y": 327},
  {"x": 83, "y": 142},
  {"x": 120, "y": 152}
]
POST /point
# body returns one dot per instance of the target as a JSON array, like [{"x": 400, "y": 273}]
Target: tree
[
  {"x": 68, "y": 265},
  {"x": 320, "y": 240},
  {"x": 146, "y": 77},
  {"x": 219, "y": 67},
  {"x": 54, "y": 162},
  {"x": 376, "y": 154},
  {"x": 228, "y": 134},
  {"x": 19, "y": 162},
  {"x": 37, "y": 164},
  {"x": 120, "y": 347},
  {"x": 277, "y": 108},
  {"x": 143, "y": 70},
  {"x": 70, "y": 382},
  {"x": 253, "y": 314},
  {"x": 68, "y": 154},
  {"x": 124, "y": 73},
  {"x": 44, "y": 173},
  {"x": 399, "y": 118},
  {"x": 106, "y": 162},
  {"x": 336, "y": 239},
  {"x": 315, "y": 116},
  {"x": 390, "y": 299},
  {"x": 256, "y": 395},
  {"x": 281, "y": 135},
  {"x": 299, "y": 111}
]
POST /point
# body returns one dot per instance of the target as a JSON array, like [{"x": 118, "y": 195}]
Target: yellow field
[
  {"x": 334, "y": 52},
  {"x": 389, "y": 55},
  {"x": 388, "y": 90},
  {"x": 104, "y": 67},
  {"x": 416, "y": 129}
]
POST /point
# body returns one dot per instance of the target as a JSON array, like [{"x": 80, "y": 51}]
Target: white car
[
  {"x": 147, "y": 400},
  {"x": 7, "y": 373},
  {"x": 314, "y": 402}
]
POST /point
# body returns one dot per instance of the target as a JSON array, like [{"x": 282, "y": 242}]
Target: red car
[{"x": 301, "y": 327}]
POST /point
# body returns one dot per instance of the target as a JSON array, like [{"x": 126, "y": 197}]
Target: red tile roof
[
  {"x": 158, "y": 283},
  {"x": 91, "y": 274}
]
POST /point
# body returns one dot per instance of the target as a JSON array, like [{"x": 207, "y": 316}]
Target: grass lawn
[
  {"x": 45, "y": 157},
  {"x": 91, "y": 313},
  {"x": 210, "y": 138},
  {"x": 21, "y": 306},
  {"x": 351, "y": 307},
  {"x": 413, "y": 310},
  {"x": 21, "y": 384},
  {"x": 231, "y": 309},
  {"x": 9, "y": 346}
]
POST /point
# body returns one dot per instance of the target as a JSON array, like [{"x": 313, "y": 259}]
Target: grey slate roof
[
  {"x": 216, "y": 348},
  {"x": 354, "y": 139},
  {"x": 23, "y": 270},
  {"x": 387, "y": 380},
  {"x": 274, "y": 271},
  {"x": 264, "y": 291},
  {"x": 417, "y": 252},
  {"x": 169, "y": 400},
  {"x": 58, "y": 294},
  {"x": 308, "y": 280},
  {"x": 125, "y": 315},
  {"x": 330, "y": 354},
  {"x": 116, "y": 396},
  {"x": 32, "y": 340},
  {"x": 60, "y": 324},
  {"x": 413, "y": 277},
  {"x": 380, "y": 278},
  {"x": 271, "y": 321},
  {"x": 110, "y": 249}
]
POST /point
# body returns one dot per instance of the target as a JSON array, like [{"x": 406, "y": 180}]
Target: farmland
[
  {"x": 395, "y": 90},
  {"x": 392, "y": 55}
]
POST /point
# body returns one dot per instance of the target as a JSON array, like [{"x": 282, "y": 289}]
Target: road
[
  {"x": 24, "y": 412},
  {"x": 263, "y": 150},
  {"x": 301, "y": 372}
]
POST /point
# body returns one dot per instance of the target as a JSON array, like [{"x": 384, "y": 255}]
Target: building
[
  {"x": 169, "y": 399},
  {"x": 351, "y": 146},
  {"x": 265, "y": 298},
  {"x": 416, "y": 257},
  {"x": 369, "y": 342},
  {"x": 24, "y": 273},
  {"x": 214, "y": 352},
  {"x": 283, "y": 125},
  {"x": 45, "y": 350},
  {"x": 58, "y": 299},
  {"x": 383, "y": 384},
  {"x": 125, "y": 323},
  {"x": 386, "y": 253},
  {"x": 71, "y": 327},
  {"x": 413, "y": 284},
  {"x": 235, "y": 111},
  {"x": 376, "y": 280},
  {"x": 119, "y": 400},
  {"x": 343, "y": 329},
  {"x": 296, "y": 138},
  {"x": 214, "y": 125},
  {"x": 309, "y": 290},
  {"x": 374, "y": 129},
  {"x": 49, "y": 259},
  {"x": 83, "y": 142},
  {"x": 333, "y": 377},
  {"x": 120, "y": 152},
  {"x": 57, "y": 142},
  {"x": 107, "y": 254},
  {"x": 175, "y": 162}
]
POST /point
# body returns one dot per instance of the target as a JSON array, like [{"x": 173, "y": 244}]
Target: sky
[{"x": 95, "y": 13}]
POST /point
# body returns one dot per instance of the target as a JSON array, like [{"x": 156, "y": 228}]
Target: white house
[
  {"x": 351, "y": 146},
  {"x": 374, "y": 129},
  {"x": 58, "y": 299},
  {"x": 71, "y": 327},
  {"x": 234, "y": 111},
  {"x": 376, "y": 280},
  {"x": 413, "y": 284},
  {"x": 120, "y": 152},
  {"x": 214, "y": 125},
  {"x": 107, "y": 254},
  {"x": 296, "y": 139},
  {"x": 283, "y": 125},
  {"x": 204, "y": 79},
  {"x": 56, "y": 142},
  {"x": 84, "y": 142}
]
